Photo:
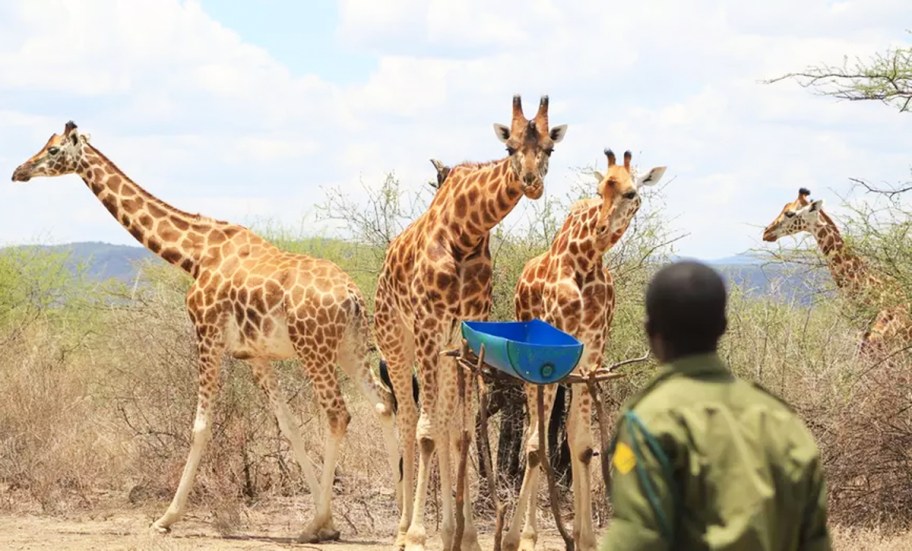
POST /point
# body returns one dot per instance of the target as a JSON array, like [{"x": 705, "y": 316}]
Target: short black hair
[{"x": 685, "y": 305}]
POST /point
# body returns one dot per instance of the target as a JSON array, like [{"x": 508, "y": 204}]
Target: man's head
[{"x": 685, "y": 310}]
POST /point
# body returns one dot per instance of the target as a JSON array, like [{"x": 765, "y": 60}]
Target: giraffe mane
[
  {"x": 476, "y": 164},
  {"x": 153, "y": 198},
  {"x": 827, "y": 219}
]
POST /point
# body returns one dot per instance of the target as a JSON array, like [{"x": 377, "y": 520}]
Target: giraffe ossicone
[{"x": 248, "y": 299}]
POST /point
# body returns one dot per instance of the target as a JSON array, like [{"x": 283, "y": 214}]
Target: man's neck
[{"x": 674, "y": 356}]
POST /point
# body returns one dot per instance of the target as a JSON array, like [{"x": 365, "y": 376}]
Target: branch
[
  {"x": 890, "y": 193},
  {"x": 885, "y": 77}
]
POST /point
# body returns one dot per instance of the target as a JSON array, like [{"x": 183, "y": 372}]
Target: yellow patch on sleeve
[{"x": 623, "y": 459}]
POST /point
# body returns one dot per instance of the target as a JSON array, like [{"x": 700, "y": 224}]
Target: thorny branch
[
  {"x": 886, "y": 77},
  {"x": 890, "y": 193}
]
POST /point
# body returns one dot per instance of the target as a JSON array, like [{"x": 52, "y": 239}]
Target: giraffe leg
[
  {"x": 210, "y": 357},
  {"x": 355, "y": 362},
  {"x": 266, "y": 379},
  {"x": 452, "y": 424},
  {"x": 466, "y": 426},
  {"x": 428, "y": 336},
  {"x": 329, "y": 395},
  {"x": 524, "y": 515},
  {"x": 579, "y": 428},
  {"x": 397, "y": 346}
]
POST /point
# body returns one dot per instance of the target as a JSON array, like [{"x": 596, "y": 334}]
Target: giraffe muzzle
[{"x": 22, "y": 174}]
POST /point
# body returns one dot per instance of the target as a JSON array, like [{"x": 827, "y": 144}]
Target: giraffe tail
[{"x": 383, "y": 370}]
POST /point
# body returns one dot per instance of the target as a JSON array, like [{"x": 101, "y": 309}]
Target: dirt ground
[
  {"x": 128, "y": 530},
  {"x": 271, "y": 527}
]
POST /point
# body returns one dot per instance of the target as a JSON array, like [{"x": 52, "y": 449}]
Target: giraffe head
[
  {"x": 619, "y": 188},
  {"x": 529, "y": 145},
  {"x": 60, "y": 155},
  {"x": 797, "y": 216}
]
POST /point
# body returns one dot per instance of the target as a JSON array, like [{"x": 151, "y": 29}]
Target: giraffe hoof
[
  {"x": 157, "y": 528},
  {"x": 414, "y": 539},
  {"x": 323, "y": 534}
]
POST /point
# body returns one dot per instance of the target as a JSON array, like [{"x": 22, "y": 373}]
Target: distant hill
[
  {"x": 756, "y": 278},
  {"x": 101, "y": 261}
]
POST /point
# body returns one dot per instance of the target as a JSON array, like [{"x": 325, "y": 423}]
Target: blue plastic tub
[{"x": 534, "y": 351}]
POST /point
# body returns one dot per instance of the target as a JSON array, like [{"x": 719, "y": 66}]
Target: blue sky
[{"x": 246, "y": 111}]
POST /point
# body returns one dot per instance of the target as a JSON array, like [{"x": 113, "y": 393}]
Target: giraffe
[
  {"x": 436, "y": 273},
  {"x": 850, "y": 272},
  {"x": 248, "y": 299},
  {"x": 569, "y": 287}
]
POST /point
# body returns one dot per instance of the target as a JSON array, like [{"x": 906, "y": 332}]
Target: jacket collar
[{"x": 691, "y": 366}]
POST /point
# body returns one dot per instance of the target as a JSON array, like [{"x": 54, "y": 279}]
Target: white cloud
[{"x": 211, "y": 122}]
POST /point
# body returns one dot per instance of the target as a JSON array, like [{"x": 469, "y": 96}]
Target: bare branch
[
  {"x": 890, "y": 193},
  {"x": 886, "y": 77}
]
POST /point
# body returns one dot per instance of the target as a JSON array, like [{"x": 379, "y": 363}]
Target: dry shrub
[
  {"x": 52, "y": 446},
  {"x": 869, "y": 460}
]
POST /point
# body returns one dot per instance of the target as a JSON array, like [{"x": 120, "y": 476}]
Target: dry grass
[{"x": 105, "y": 394}]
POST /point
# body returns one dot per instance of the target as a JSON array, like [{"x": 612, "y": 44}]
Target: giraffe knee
[
  {"x": 427, "y": 445},
  {"x": 338, "y": 421},
  {"x": 533, "y": 458},
  {"x": 586, "y": 455}
]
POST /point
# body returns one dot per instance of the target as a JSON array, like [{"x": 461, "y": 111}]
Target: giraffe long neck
[
  {"x": 476, "y": 198},
  {"x": 170, "y": 233},
  {"x": 848, "y": 270},
  {"x": 575, "y": 245},
  {"x": 625, "y": 217}
]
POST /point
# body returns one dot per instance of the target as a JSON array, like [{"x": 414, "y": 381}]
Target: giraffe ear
[
  {"x": 816, "y": 205},
  {"x": 502, "y": 132},
  {"x": 652, "y": 177},
  {"x": 557, "y": 133},
  {"x": 598, "y": 176},
  {"x": 74, "y": 136}
]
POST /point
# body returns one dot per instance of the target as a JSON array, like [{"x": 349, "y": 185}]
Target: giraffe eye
[
  {"x": 511, "y": 150},
  {"x": 54, "y": 150},
  {"x": 790, "y": 214}
]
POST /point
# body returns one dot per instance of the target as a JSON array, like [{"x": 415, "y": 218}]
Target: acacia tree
[{"x": 884, "y": 77}]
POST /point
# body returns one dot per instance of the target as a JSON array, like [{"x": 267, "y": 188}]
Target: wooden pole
[
  {"x": 549, "y": 474},
  {"x": 603, "y": 433},
  {"x": 485, "y": 445},
  {"x": 463, "y": 456}
]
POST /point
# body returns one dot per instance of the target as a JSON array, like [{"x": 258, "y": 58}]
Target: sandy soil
[
  {"x": 270, "y": 527},
  {"x": 128, "y": 531}
]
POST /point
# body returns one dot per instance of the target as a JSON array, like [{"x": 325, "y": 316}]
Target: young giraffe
[
  {"x": 249, "y": 299},
  {"x": 437, "y": 272},
  {"x": 569, "y": 287},
  {"x": 850, "y": 273}
]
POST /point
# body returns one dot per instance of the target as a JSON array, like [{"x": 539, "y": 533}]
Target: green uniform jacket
[{"x": 704, "y": 460}]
